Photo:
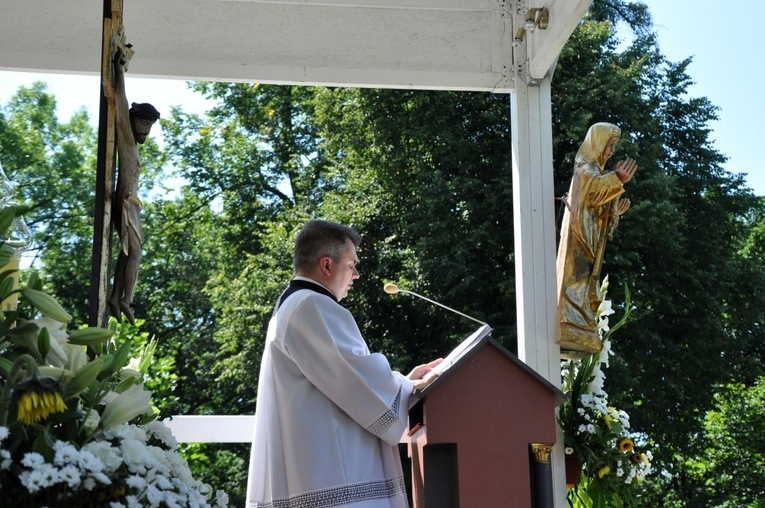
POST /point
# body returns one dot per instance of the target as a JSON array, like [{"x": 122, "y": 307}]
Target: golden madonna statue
[{"x": 592, "y": 213}]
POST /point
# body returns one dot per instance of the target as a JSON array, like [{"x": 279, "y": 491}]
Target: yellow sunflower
[{"x": 626, "y": 445}]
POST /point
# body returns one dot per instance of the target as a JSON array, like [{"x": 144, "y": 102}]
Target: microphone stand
[{"x": 393, "y": 289}]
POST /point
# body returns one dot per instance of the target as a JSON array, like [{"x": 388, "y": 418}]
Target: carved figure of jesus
[{"x": 133, "y": 127}]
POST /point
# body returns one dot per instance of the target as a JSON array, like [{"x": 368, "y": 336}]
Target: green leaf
[
  {"x": 43, "y": 342},
  {"x": 7, "y": 213}
]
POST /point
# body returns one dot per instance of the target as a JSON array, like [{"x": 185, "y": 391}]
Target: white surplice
[{"x": 329, "y": 414}]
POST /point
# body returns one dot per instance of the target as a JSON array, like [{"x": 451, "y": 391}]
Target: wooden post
[{"x": 105, "y": 173}]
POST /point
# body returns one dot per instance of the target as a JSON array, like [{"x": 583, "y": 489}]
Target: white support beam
[
  {"x": 544, "y": 46},
  {"x": 535, "y": 240}
]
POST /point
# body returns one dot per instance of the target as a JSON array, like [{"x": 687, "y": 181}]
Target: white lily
[
  {"x": 57, "y": 330},
  {"x": 133, "y": 402}
]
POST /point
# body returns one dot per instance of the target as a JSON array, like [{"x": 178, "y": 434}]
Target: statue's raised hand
[
  {"x": 625, "y": 170},
  {"x": 624, "y": 205}
]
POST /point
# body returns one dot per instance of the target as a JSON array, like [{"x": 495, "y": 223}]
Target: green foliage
[
  {"x": 728, "y": 470},
  {"x": 35, "y": 146}
]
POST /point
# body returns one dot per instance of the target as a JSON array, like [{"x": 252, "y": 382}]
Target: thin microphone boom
[{"x": 392, "y": 289}]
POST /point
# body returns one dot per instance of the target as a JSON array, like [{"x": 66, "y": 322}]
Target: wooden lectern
[{"x": 472, "y": 431}]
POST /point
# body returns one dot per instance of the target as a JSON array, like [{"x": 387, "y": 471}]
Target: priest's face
[{"x": 343, "y": 273}]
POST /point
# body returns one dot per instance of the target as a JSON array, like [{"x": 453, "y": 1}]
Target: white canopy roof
[{"x": 434, "y": 44}]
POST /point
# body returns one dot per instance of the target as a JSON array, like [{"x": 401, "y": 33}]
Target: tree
[
  {"x": 728, "y": 471},
  {"x": 51, "y": 166}
]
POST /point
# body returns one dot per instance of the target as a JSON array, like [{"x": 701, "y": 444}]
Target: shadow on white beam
[{"x": 212, "y": 428}]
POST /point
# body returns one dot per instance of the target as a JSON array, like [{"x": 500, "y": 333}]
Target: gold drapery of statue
[{"x": 592, "y": 213}]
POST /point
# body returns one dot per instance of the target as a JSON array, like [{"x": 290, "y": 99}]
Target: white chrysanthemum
[
  {"x": 221, "y": 498},
  {"x": 133, "y": 502},
  {"x": 90, "y": 462},
  {"x": 136, "y": 482},
  {"x": 133, "y": 452},
  {"x": 127, "y": 431},
  {"x": 3, "y": 433},
  {"x": 70, "y": 475},
  {"x": 50, "y": 474},
  {"x": 32, "y": 480},
  {"x": 163, "y": 433},
  {"x": 65, "y": 453},
  {"x": 154, "y": 496},
  {"x": 108, "y": 454},
  {"x": 32, "y": 460},
  {"x": 5, "y": 460}
]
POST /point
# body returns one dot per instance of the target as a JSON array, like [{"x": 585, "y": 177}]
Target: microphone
[{"x": 392, "y": 289}]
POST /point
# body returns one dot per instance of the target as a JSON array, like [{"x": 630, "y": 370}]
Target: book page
[{"x": 460, "y": 350}]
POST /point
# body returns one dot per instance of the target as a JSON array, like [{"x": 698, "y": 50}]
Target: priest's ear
[{"x": 325, "y": 265}]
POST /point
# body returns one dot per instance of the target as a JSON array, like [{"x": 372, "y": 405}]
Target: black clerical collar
[{"x": 298, "y": 284}]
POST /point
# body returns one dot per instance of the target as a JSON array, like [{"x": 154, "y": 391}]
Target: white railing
[
  {"x": 218, "y": 428},
  {"x": 212, "y": 428}
]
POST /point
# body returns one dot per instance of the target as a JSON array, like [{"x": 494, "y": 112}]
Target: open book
[{"x": 460, "y": 351}]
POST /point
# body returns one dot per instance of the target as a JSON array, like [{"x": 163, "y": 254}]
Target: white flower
[
  {"x": 6, "y": 462},
  {"x": 32, "y": 460},
  {"x": 130, "y": 373},
  {"x": 106, "y": 453},
  {"x": 3, "y": 433},
  {"x": 132, "y": 502},
  {"x": 76, "y": 357},
  {"x": 605, "y": 308},
  {"x": 221, "y": 498},
  {"x": 129, "y": 404},
  {"x": 65, "y": 453},
  {"x": 133, "y": 453},
  {"x": 90, "y": 462},
  {"x": 91, "y": 421},
  {"x": 32, "y": 480},
  {"x": 70, "y": 475},
  {"x": 163, "y": 433},
  {"x": 568, "y": 450},
  {"x": 154, "y": 495}
]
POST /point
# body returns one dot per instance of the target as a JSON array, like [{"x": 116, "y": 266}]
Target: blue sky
[{"x": 724, "y": 40}]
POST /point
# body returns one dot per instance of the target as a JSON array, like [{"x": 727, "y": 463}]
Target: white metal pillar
[{"x": 535, "y": 244}]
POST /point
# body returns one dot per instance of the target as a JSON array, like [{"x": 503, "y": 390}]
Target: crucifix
[{"x": 121, "y": 130}]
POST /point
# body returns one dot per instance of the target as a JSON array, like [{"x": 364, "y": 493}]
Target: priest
[{"x": 330, "y": 413}]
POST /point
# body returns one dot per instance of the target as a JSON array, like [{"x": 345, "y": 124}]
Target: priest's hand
[{"x": 422, "y": 375}]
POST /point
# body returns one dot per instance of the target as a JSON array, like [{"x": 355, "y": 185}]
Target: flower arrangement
[
  {"x": 596, "y": 435},
  {"x": 77, "y": 428}
]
